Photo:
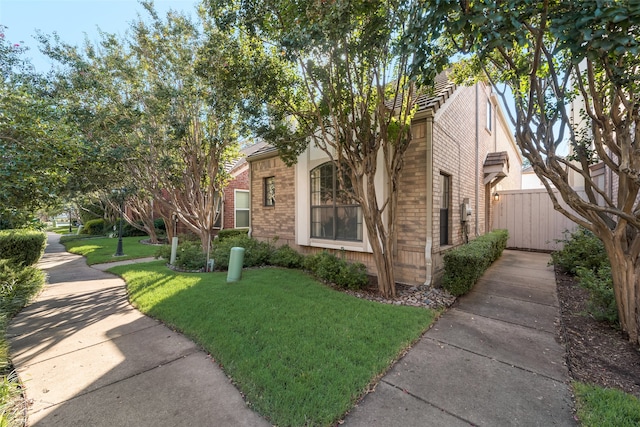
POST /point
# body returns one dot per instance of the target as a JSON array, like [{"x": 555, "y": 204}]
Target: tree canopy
[
  {"x": 42, "y": 153},
  {"x": 353, "y": 96}
]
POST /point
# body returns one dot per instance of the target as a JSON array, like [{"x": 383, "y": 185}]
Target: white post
[{"x": 174, "y": 250}]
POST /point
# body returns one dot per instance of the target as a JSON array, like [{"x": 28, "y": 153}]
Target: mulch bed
[{"x": 597, "y": 353}]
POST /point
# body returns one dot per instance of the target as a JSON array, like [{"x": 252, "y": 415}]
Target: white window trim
[
  {"x": 307, "y": 161},
  {"x": 236, "y": 209}
]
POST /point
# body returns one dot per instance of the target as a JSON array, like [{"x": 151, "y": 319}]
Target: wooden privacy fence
[{"x": 531, "y": 220}]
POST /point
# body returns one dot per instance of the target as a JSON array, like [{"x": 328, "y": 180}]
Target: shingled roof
[{"x": 436, "y": 96}]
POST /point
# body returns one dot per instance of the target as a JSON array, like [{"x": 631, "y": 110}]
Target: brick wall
[
  {"x": 412, "y": 215},
  {"x": 240, "y": 182},
  {"x": 454, "y": 154},
  {"x": 278, "y": 221}
]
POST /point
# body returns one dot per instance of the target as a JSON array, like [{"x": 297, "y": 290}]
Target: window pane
[
  {"x": 242, "y": 200},
  {"x": 242, "y": 219},
  {"x": 445, "y": 191},
  {"x": 270, "y": 191},
  {"x": 322, "y": 222},
  {"x": 349, "y": 223},
  {"x": 322, "y": 185},
  {"x": 344, "y": 194}
]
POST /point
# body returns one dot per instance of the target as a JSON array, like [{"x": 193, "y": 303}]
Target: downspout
[
  {"x": 250, "y": 200},
  {"x": 429, "y": 200},
  {"x": 477, "y": 204}
]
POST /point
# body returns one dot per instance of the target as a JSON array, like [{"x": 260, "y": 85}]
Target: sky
[{"x": 72, "y": 19}]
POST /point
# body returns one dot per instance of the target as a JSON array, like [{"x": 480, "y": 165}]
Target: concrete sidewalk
[
  {"x": 491, "y": 360},
  {"x": 87, "y": 358}
]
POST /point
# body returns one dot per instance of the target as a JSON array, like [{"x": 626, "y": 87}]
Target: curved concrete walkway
[
  {"x": 88, "y": 358},
  {"x": 491, "y": 360}
]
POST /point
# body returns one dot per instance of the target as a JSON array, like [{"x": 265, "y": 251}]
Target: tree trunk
[
  {"x": 378, "y": 238},
  {"x": 383, "y": 259},
  {"x": 625, "y": 274}
]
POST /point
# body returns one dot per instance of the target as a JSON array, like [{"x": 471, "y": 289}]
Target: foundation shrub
[
  {"x": 189, "y": 256},
  {"x": 286, "y": 256},
  {"x": 231, "y": 232},
  {"x": 256, "y": 253},
  {"x": 464, "y": 265},
  {"x": 330, "y": 268}
]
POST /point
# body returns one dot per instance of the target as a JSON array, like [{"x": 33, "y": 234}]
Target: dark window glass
[
  {"x": 270, "y": 191},
  {"x": 334, "y": 213},
  {"x": 445, "y": 201}
]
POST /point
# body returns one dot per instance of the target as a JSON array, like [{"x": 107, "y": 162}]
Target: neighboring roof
[
  {"x": 244, "y": 154},
  {"x": 495, "y": 167},
  {"x": 265, "y": 151}
]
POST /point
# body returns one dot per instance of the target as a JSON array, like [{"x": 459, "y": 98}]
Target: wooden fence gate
[{"x": 531, "y": 220}]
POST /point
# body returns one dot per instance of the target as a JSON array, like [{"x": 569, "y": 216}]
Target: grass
[
  {"x": 301, "y": 353},
  {"x": 62, "y": 229},
  {"x": 604, "y": 407},
  {"x": 101, "y": 249}
]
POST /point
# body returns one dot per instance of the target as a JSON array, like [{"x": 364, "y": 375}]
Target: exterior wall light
[{"x": 496, "y": 197}]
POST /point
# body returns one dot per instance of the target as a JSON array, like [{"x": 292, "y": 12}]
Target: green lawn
[
  {"x": 63, "y": 229},
  {"x": 301, "y": 352},
  {"x": 101, "y": 249},
  {"x": 602, "y": 407}
]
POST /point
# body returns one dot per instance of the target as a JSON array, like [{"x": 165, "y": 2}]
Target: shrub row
[
  {"x": 100, "y": 227},
  {"x": 325, "y": 266},
  {"x": 23, "y": 247},
  {"x": 231, "y": 232},
  {"x": 584, "y": 256},
  {"x": 18, "y": 285},
  {"x": 464, "y": 265},
  {"x": 336, "y": 270}
]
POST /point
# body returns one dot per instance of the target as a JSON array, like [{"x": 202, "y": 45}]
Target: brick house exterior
[
  {"x": 462, "y": 151},
  {"x": 239, "y": 183}
]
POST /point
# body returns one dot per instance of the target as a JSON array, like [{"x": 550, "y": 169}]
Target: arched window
[{"x": 334, "y": 214}]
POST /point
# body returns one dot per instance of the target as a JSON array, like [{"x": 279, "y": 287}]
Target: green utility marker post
[{"x": 236, "y": 259}]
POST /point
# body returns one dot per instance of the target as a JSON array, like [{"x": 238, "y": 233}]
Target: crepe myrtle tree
[
  {"x": 351, "y": 96},
  {"x": 169, "y": 130},
  {"x": 555, "y": 58}
]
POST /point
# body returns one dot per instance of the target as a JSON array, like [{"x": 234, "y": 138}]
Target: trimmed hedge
[
  {"x": 231, "y": 232},
  {"x": 94, "y": 227},
  {"x": 464, "y": 265},
  {"x": 23, "y": 247}
]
